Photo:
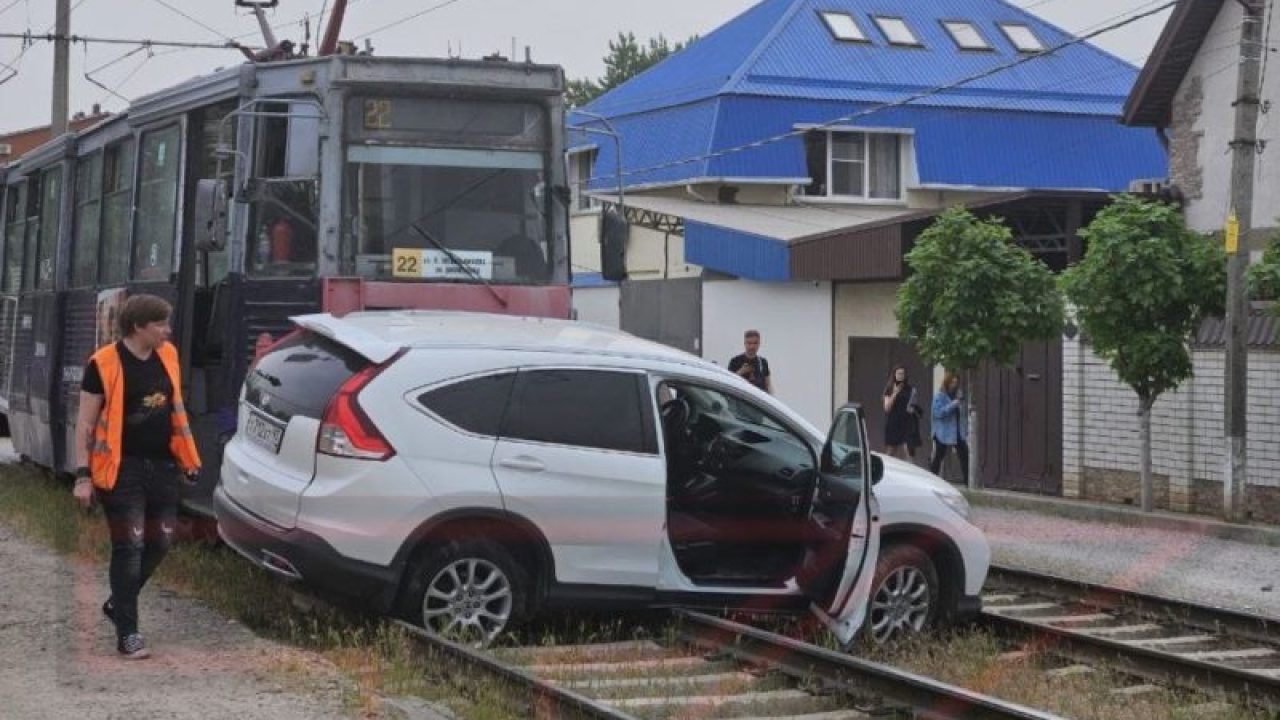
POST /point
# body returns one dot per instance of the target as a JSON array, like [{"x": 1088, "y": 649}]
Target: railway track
[
  {"x": 717, "y": 668},
  {"x": 1165, "y": 641}
]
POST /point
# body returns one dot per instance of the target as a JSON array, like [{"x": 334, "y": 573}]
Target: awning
[
  {"x": 748, "y": 241},
  {"x": 822, "y": 242}
]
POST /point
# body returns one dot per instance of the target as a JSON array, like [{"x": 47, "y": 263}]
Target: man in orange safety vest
[{"x": 133, "y": 449}]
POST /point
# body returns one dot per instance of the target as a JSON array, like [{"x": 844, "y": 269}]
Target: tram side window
[
  {"x": 50, "y": 223},
  {"x": 283, "y": 194},
  {"x": 157, "y": 205},
  {"x": 117, "y": 203},
  {"x": 15, "y": 231},
  {"x": 84, "y": 270},
  {"x": 35, "y": 193}
]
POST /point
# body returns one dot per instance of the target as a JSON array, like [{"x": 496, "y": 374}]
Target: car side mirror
[
  {"x": 211, "y": 215},
  {"x": 614, "y": 230},
  {"x": 877, "y": 469}
]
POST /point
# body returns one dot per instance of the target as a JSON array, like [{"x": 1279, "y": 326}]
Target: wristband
[{"x": 83, "y": 473}]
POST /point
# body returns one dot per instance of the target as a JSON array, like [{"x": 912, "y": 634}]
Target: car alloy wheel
[
  {"x": 905, "y": 596},
  {"x": 470, "y": 599}
]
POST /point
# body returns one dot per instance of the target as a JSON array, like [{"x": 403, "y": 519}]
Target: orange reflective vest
[{"x": 104, "y": 459}]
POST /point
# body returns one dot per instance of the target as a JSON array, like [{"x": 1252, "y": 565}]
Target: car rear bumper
[{"x": 302, "y": 556}]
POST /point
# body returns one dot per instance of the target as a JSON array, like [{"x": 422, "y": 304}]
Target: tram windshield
[{"x": 460, "y": 196}]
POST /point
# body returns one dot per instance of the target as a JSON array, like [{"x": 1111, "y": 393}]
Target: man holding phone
[{"x": 751, "y": 365}]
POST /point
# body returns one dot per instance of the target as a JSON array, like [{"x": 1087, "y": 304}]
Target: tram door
[{"x": 201, "y": 282}]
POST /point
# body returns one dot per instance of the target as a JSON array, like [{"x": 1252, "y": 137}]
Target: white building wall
[
  {"x": 861, "y": 310},
  {"x": 599, "y": 305},
  {"x": 584, "y": 242},
  {"x": 1204, "y": 107},
  {"x": 794, "y": 320}
]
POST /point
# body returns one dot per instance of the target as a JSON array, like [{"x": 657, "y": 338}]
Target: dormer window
[
  {"x": 897, "y": 31},
  {"x": 1022, "y": 37},
  {"x": 843, "y": 27},
  {"x": 966, "y": 35}
]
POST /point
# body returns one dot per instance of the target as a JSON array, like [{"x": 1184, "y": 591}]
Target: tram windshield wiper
[
  {"x": 275, "y": 381},
  {"x": 470, "y": 271}
]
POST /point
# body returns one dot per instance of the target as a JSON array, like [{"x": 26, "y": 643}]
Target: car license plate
[{"x": 266, "y": 433}]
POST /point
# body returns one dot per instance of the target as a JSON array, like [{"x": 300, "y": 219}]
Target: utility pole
[
  {"x": 61, "y": 69},
  {"x": 1244, "y": 150}
]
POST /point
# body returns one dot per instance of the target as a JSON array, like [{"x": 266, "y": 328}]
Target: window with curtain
[{"x": 854, "y": 165}]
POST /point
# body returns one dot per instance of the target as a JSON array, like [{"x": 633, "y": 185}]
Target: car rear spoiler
[{"x": 375, "y": 349}]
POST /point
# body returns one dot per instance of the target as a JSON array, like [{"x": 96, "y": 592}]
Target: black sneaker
[
  {"x": 109, "y": 611},
  {"x": 133, "y": 647}
]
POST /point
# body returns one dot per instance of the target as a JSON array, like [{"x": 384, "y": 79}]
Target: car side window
[
  {"x": 597, "y": 409},
  {"x": 475, "y": 405}
]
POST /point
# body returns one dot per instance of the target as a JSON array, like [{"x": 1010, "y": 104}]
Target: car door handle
[{"x": 525, "y": 464}]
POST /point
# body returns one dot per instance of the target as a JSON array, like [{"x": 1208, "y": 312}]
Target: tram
[{"x": 274, "y": 189}]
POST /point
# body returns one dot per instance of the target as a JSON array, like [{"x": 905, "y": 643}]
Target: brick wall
[{"x": 1101, "y": 444}]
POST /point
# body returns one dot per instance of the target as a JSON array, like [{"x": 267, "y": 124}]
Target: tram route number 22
[
  {"x": 377, "y": 114},
  {"x": 459, "y": 265}
]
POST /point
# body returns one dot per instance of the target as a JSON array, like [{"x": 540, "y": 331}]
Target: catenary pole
[
  {"x": 61, "y": 69},
  {"x": 1244, "y": 151}
]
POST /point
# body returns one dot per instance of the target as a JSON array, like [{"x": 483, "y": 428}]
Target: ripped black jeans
[{"x": 142, "y": 513}]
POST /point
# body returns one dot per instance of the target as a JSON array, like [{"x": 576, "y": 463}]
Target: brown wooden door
[
  {"x": 1020, "y": 415},
  {"x": 870, "y": 361}
]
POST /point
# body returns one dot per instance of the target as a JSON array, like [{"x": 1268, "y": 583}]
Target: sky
[{"x": 572, "y": 33}]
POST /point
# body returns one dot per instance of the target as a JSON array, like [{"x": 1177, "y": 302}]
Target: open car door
[{"x": 845, "y": 522}]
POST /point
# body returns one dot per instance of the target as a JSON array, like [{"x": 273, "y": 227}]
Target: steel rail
[
  {"x": 1154, "y": 664},
  {"x": 548, "y": 699},
  {"x": 1204, "y": 617},
  {"x": 925, "y": 697}
]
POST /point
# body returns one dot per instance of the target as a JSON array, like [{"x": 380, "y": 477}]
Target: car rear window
[
  {"x": 300, "y": 375},
  {"x": 474, "y": 405}
]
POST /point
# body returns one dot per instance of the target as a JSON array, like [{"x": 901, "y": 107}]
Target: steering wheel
[{"x": 675, "y": 417}]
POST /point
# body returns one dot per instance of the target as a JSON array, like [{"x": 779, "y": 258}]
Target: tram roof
[{"x": 226, "y": 83}]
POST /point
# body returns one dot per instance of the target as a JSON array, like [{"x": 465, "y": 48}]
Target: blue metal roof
[
  {"x": 783, "y": 48},
  {"x": 1050, "y": 123},
  {"x": 960, "y": 148},
  {"x": 746, "y": 255}
]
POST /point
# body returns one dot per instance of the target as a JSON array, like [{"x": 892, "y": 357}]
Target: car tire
[
  {"x": 905, "y": 595},
  {"x": 470, "y": 591}
]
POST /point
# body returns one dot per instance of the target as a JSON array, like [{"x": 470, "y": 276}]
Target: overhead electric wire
[
  {"x": 193, "y": 19},
  {"x": 27, "y": 45},
  {"x": 10, "y": 6},
  {"x": 401, "y": 21},
  {"x": 54, "y": 37},
  {"x": 907, "y": 100}
]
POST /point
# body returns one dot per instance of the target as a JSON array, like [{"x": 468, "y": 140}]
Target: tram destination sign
[{"x": 415, "y": 263}]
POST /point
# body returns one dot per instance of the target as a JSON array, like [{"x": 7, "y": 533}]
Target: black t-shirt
[
  {"x": 148, "y": 402},
  {"x": 759, "y": 369}
]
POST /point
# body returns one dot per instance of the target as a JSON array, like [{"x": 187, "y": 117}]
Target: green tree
[
  {"x": 1264, "y": 277},
  {"x": 627, "y": 58},
  {"x": 1146, "y": 283},
  {"x": 974, "y": 295}
]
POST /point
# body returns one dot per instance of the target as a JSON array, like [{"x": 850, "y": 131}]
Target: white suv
[{"x": 468, "y": 470}]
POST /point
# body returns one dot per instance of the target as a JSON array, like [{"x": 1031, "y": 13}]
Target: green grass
[
  {"x": 381, "y": 660},
  {"x": 384, "y": 662}
]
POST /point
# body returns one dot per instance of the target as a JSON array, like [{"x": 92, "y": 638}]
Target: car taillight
[{"x": 346, "y": 431}]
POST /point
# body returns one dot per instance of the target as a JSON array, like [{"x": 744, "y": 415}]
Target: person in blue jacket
[{"x": 949, "y": 425}]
